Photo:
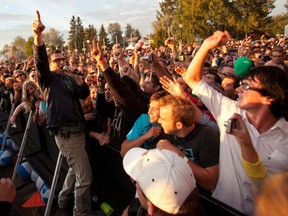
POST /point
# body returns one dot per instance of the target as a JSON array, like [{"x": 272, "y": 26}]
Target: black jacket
[
  {"x": 130, "y": 107},
  {"x": 62, "y": 102}
]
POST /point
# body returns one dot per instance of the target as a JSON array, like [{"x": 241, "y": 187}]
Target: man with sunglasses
[
  {"x": 257, "y": 57},
  {"x": 262, "y": 104},
  {"x": 276, "y": 58},
  {"x": 65, "y": 121}
]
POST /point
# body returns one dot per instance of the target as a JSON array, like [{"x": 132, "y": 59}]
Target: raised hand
[
  {"x": 219, "y": 38},
  {"x": 96, "y": 51},
  {"x": 173, "y": 87},
  {"x": 38, "y": 27}
]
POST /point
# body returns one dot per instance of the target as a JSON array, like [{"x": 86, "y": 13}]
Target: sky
[{"x": 17, "y": 16}]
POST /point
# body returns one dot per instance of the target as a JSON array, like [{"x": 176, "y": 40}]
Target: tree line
[{"x": 184, "y": 20}]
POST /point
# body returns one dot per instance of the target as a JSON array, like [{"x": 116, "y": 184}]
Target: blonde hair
[
  {"x": 273, "y": 200},
  {"x": 28, "y": 100}
]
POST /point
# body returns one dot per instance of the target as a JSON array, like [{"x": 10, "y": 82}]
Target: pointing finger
[{"x": 38, "y": 16}]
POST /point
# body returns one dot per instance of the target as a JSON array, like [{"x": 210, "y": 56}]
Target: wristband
[
  {"x": 141, "y": 73},
  {"x": 103, "y": 61}
]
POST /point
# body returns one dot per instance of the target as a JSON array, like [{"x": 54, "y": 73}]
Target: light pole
[
  {"x": 181, "y": 27},
  {"x": 123, "y": 36}
]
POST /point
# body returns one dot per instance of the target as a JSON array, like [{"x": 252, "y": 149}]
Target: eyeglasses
[
  {"x": 58, "y": 60},
  {"x": 260, "y": 57},
  {"x": 225, "y": 74},
  {"x": 246, "y": 87},
  {"x": 276, "y": 56},
  {"x": 19, "y": 75}
]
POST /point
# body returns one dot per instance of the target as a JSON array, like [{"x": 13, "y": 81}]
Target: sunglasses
[
  {"x": 260, "y": 57},
  {"x": 58, "y": 60},
  {"x": 19, "y": 75}
]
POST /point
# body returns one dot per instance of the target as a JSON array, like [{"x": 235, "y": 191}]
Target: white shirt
[{"x": 233, "y": 186}]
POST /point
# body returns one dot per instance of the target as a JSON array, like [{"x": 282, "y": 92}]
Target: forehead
[
  {"x": 165, "y": 112},
  {"x": 56, "y": 56},
  {"x": 154, "y": 103},
  {"x": 227, "y": 69}
]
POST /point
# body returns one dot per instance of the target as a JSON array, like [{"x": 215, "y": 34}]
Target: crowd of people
[{"x": 212, "y": 117}]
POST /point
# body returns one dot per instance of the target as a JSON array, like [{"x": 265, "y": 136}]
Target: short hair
[
  {"x": 53, "y": 52},
  {"x": 182, "y": 109},
  {"x": 157, "y": 95},
  {"x": 217, "y": 77},
  {"x": 275, "y": 82}
]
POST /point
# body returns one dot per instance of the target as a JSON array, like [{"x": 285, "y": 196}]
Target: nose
[{"x": 239, "y": 89}]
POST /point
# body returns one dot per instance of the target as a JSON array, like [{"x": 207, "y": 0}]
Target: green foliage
[
  {"x": 29, "y": 46},
  {"x": 90, "y": 33},
  {"x": 200, "y": 18},
  {"x": 278, "y": 23}
]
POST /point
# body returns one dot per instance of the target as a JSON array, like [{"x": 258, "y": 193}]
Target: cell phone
[{"x": 230, "y": 125}]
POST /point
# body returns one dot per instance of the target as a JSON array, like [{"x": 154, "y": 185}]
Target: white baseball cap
[{"x": 164, "y": 177}]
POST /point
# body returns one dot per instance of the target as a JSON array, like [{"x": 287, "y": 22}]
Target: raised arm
[{"x": 193, "y": 74}]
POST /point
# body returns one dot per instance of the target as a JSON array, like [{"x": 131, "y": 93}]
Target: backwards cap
[{"x": 165, "y": 178}]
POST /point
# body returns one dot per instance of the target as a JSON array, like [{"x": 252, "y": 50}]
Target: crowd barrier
[{"x": 110, "y": 182}]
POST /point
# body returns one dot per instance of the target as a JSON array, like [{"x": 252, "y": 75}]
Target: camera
[{"x": 230, "y": 124}]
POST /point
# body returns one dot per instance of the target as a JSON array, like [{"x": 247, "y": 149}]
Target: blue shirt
[{"x": 140, "y": 127}]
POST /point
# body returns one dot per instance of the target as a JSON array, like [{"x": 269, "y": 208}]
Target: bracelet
[
  {"x": 103, "y": 61},
  {"x": 141, "y": 73}
]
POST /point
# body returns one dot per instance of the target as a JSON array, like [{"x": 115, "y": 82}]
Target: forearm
[
  {"x": 18, "y": 109},
  {"x": 193, "y": 75},
  {"x": 128, "y": 144},
  {"x": 204, "y": 177},
  {"x": 249, "y": 153},
  {"x": 38, "y": 41},
  {"x": 160, "y": 70}
]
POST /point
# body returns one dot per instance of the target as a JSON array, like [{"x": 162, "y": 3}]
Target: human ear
[{"x": 179, "y": 125}]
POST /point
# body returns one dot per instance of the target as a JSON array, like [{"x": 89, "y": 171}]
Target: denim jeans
[{"x": 79, "y": 176}]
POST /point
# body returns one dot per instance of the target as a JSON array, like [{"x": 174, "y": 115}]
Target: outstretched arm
[{"x": 193, "y": 74}]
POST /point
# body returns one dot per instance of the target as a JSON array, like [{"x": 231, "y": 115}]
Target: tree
[
  {"x": 103, "y": 38},
  {"x": 252, "y": 15},
  {"x": 76, "y": 34},
  {"x": 90, "y": 33},
  {"x": 114, "y": 29},
  {"x": 72, "y": 33},
  {"x": 18, "y": 48},
  {"x": 278, "y": 23},
  {"x": 29, "y": 46},
  {"x": 53, "y": 38}
]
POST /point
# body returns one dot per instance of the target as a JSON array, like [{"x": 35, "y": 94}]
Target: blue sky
[{"x": 17, "y": 16}]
